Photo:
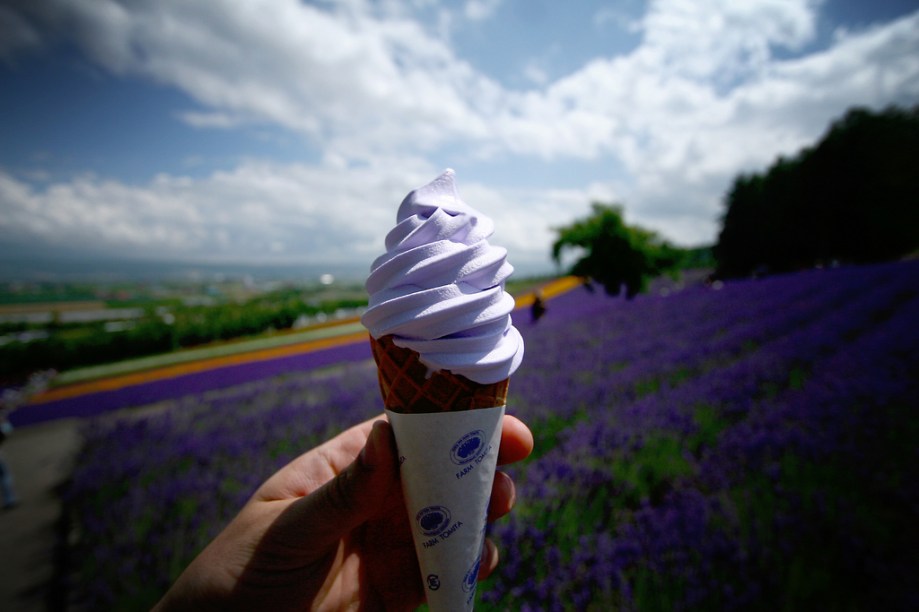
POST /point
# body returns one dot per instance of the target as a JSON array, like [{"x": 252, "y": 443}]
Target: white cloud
[
  {"x": 478, "y": 10},
  {"x": 211, "y": 119},
  {"x": 525, "y": 218},
  {"x": 703, "y": 96},
  {"x": 363, "y": 82},
  {"x": 340, "y": 75},
  {"x": 681, "y": 134},
  {"x": 719, "y": 39},
  {"x": 262, "y": 213},
  {"x": 320, "y": 214},
  {"x": 535, "y": 73},
  {"x": 616, "y": 16},
  {"x": 16, "y": 35}
]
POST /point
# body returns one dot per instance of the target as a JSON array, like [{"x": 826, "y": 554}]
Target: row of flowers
[{"x": 740, "y": 446}]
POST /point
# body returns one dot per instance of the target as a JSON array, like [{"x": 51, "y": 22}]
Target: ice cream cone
[
  {"x": 409, "y": 388},
  {"x": 439, "y": 289},
  {"x": 448, "y": 430}
]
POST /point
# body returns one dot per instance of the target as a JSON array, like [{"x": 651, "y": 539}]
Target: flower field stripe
[
  {"x": 215, "y": 349},
  {"x": 549, "y": 290},
  {"x": 196, "y": 384},
  {"x": 745, "y": 446},
  {"x": 95, "y": 391},
  {"x": 189, "y": 362},
  {"x": 203, "y": 365}
]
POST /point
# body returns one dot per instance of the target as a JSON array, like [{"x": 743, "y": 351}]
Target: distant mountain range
[
  {"x": 113, "y": 270},
  {"x": 98, "y": 269}
]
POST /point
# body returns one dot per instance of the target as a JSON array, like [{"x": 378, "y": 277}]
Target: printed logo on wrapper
[
  {"x": 433, "y": 519},
  {"x": 469, "y": 447},
  {"x": 448, "y": 517},
  {"x": 472, "y": 576}
]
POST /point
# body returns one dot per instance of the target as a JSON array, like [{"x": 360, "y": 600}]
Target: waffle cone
[{"x": 407, "y": 388}]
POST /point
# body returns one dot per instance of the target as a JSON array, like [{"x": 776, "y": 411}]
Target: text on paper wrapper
[
  {"x": 443, "y": 536},
  {"x": 475, "y": 462}
]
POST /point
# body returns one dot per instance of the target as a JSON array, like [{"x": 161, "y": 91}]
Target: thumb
[{"x": 324, "y": 516}]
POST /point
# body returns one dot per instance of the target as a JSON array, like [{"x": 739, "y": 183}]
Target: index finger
[{"x": 516, "y": 441}]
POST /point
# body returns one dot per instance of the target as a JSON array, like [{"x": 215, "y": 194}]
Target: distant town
[{"x": 59, "y": 316}]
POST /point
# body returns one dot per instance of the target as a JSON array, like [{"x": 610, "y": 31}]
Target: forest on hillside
[{"x": 853, "y": 197}]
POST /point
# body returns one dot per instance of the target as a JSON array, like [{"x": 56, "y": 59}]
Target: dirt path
[{"x": 40, "y": 458}]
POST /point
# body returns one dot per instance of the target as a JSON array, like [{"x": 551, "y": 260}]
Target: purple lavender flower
[{"x": 753, "y": 447}]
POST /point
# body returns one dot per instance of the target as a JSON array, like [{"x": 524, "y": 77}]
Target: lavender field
[{"x": 746, "y": 446}]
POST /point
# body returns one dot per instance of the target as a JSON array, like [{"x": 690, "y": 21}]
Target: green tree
[
  {"x": 614, "y": 253},
  {"x": 853, "y": 196}
]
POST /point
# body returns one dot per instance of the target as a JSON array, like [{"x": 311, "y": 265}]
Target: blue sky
[{"x": 280, "y": 131}]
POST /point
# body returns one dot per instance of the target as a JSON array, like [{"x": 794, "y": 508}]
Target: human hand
[{"x": 329, "y": 531}]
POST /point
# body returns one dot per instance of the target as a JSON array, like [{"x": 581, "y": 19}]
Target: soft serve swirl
[{"x": 439, "y": 288}]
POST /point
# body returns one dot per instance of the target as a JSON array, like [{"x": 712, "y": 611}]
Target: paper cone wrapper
[{"x": 447, "y": 464}]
